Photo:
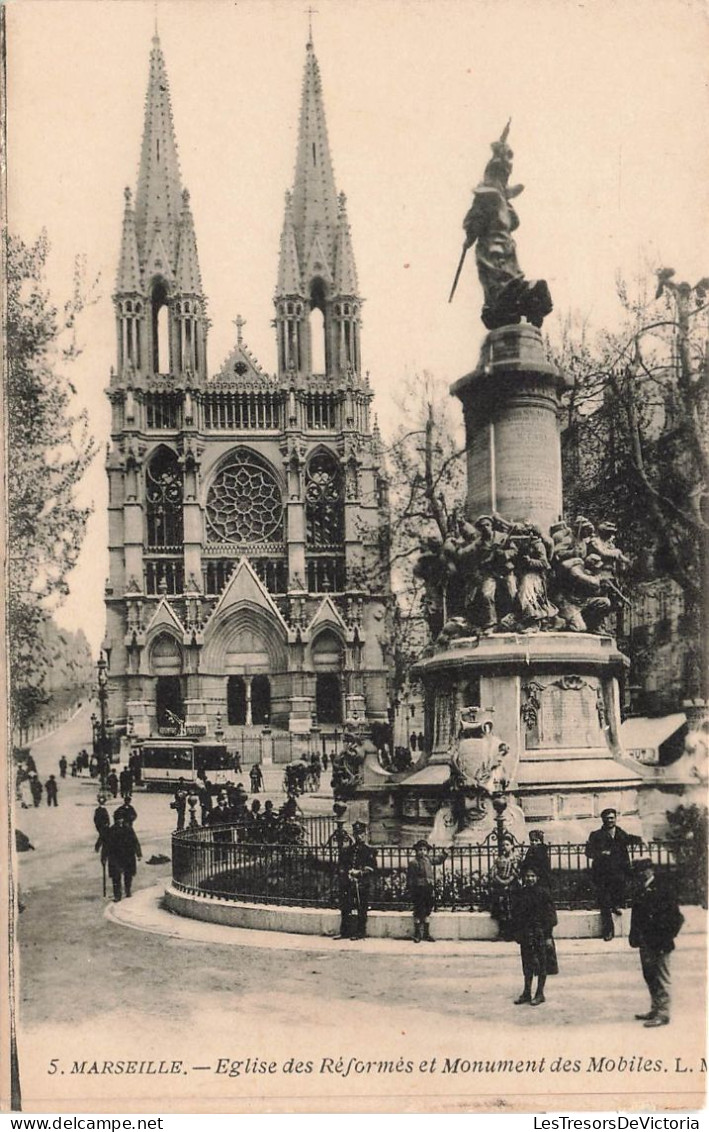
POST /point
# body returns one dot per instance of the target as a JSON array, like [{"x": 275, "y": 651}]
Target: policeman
[{"x": 357, "y": 865}]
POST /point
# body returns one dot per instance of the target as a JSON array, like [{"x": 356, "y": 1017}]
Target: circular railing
[{"x": 222, "y": 862}]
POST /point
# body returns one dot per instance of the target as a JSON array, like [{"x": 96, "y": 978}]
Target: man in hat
[
  {"x": 120, "y": 850},
  {"x": 102, "y": 820},
  {"x": 607, "y": 851},
  {"x": 179, "y": 803},
  {"x": 654, "y": 923},
  {"x": 357, "y": 864},
  {"x": 419, "y": 881},
  {"x": 533, "y": 919},
  {"x": 127, "y": 809}
]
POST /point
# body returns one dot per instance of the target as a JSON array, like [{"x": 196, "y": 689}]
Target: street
[{"x": 95, "y": 991}]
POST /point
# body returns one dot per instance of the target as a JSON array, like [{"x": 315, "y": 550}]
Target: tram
[{"x": 164, "y": 762}]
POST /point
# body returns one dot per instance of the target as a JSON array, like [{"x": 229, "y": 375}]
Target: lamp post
[{"x": 102, "y": 681}]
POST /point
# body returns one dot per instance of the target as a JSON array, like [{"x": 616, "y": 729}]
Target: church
[{"x": 248, "y": 520}]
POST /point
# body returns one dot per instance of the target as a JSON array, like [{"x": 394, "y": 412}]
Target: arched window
[
  {"x": 163, "y": 495},
  {"x": 318, "y": 341},
  {"x": 324, "y": 506},
  {"x": 161, "y": 328}
]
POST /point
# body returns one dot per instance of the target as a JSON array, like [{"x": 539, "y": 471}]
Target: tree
[
  {"x": 50, "y": 449},
  {"x": 425, "y": 473},
  {"x": 636, "y": 443}
]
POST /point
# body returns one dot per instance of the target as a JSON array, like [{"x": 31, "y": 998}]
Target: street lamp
[{"x": 102, "y": 680}]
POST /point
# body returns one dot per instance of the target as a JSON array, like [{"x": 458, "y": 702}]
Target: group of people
[
  {"x": 118, "y": 844},
  {"x": 29, "y": 789},
  {"x": 522, "y": 902}
]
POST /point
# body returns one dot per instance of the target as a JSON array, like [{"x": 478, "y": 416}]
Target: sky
[{"x": 610, "y": 131}]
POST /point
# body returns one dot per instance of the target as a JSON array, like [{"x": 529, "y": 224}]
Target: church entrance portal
[
  {"x": 328, "y": 698},
  {"x": 248, "y": 700},
  {"x": 168, "y": 699}
]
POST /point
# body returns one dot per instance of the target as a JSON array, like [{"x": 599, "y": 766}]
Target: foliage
[
  {"x": 50, "y": 449},
  {"x": 636, "y": 443}
]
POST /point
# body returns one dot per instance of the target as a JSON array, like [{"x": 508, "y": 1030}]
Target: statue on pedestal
[{"x": 489, "y": 225}]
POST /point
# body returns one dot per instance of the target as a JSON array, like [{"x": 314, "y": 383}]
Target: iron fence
[
  {"x": 222, "y": 862},
  {"x": 281, "y": 747}
]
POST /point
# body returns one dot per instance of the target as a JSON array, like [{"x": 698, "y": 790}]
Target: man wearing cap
[
  {"x": 607, "y": 851},
  {"x": 120, "y": 849},
  {"x": 357, "y": 864},
  {"x": 419, "y": 881},
  {"x": 654, "y": 923}
]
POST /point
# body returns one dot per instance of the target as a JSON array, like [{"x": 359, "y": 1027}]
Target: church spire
[
  {"x": 314, "y": 201},
  {"x": 345, "y": 270},
  {"x": 128, "y": 277},
  {"x": 159, "y": 197}
]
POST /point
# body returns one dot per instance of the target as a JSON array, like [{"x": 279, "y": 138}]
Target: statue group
[{"x": 496, "y": 575}]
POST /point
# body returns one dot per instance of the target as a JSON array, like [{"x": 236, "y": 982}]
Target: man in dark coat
[
  {"x": 112, "y": 782},
  {"x": 36, "y": 789},
  {"x": 220, "y": 817},
  {"x": 102, "y": 821},
  {"x": 127, "y": 810},
  {"x": 256, "y": 776},
  {"x": 537, "y": 857},
  {"x": 607, "y": 850},
  {"x": 120, "y": 851},
  {"x": 534, "y": 918},
  {"x": 179, "y": 803},
  {"x": 655, "y": 920},
  {"x": 356, "y": 865},
  {"x": 52, "y": 791},
  {"x": 125, "y": 780},
  {"x": 63, "y": 764}
]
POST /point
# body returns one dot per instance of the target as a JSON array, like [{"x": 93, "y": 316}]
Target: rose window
[{"x": 244, "y": 502}]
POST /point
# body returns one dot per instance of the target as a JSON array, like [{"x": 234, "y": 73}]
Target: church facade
[{"x": 248, "y": 521}]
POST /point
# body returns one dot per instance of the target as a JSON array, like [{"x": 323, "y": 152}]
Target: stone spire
[
  {"x": 314, "y": 201},
  {"x": 159, "y": 196},
  {"x": 188, "y": 279},
  {"x": 289, "y": 280},
  {"x": 128, "y": 277},
  {"x": 345, "y": 270}
]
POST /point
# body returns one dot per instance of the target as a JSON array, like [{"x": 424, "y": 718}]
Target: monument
[{"x": 521, "y": 684}]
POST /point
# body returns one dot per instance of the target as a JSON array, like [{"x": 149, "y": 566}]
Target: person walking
[
  {"x": 607, "y": 850},
  {"x": 52, "y": 791},
  {"x": 256, "y": 776},
  {"x": 655, "y": 921},
  {"x": 102, "y": 820},
  {"x": 36, "y": 788},
  {"x": 112, "y": 782},
  {"x": 120, "y": 851},
  {"x": 419, "y": 881},
  {"x": 357, "y": 865},
  {"x": 533, "y": 920},
  {"x": 127, "y": 810},
  {"x": 125, "y": 781},
  {"x": 63, "y": 764},
  {"x": 179, "y": 803}
]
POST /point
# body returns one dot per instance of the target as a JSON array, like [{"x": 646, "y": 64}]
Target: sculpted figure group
[{"x": 496, "y": 575}]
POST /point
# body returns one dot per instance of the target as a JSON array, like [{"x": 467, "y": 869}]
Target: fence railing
[
  {"x": 222, "y": 862},
  {"x": 281, "y": 747}
]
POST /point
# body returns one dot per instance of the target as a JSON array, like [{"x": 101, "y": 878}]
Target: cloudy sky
[{"x": 609, "y": 127}]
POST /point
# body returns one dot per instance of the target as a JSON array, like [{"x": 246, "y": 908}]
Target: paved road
[{"x": 93, "y": 990}]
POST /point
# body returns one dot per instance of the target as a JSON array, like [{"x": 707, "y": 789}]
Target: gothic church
[{"x": 248, "y": 532}]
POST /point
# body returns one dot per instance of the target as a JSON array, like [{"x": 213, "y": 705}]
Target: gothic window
[
  {"x": 160, "y": 328},
  {"x": 244, "y": 502},
  {"x": 324, "y": 508},
  {"x": 163, "y": 496}
]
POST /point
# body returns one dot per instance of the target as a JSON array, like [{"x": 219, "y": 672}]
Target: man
[
  {"x": 655, "y": 921},
  {"x": 179, "y": 803},
  {"x": 419, "y": 881},
  {"x": 256, "y": 778},
  {"x": 537, "y": 858},
  {"x": 356, "y": 866},
  {"x": 36, "y": 789},
  {"x": 219, "y": 818},
  {"x": 112, "y": 782},
  {"x": 63, "y": 764},
  {"x": 125, "y": 780},
  {"x": 534, "y": 918},
  {"x": 120, "y": 851},
  {"x": 607, "y": 850},
  {"x": 102, "y": 821},
  {"x": 128, "y": 812},
  {"x": 52, "y": 791}
]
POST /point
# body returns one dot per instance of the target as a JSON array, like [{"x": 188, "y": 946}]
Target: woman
[{"x": 534, "y": 918}]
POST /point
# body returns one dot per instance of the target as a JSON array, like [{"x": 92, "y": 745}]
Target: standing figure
[
  {"x": 537, "y": 858},
  {"x": 655, "y": 921},
  {"x": 489, "y": 224},
  {"x": 356, "y": 865},
  {"x": 52, "y": 791},
  {"x": 36, "y": 788},
  {"x": 487, "y": 564},
  {"x": 534, "y": 918},
  {"x": 269, "y": 823},
  {"x": 533, "y": 553},
  {"x": 102, "y": 821},
  {"x": 127, "y": 810},
  {"x": 125, "y": 780},
  {"x": 120, "y": 850},
  {"x": 607, "y": 850},
  {"x": 220, "y": 818},
  {"x": 112, "y": 782},
  {"x": 419, "y": 881},
  {"x": 63, "y": 764},
  {"x": 205, "y": 799},
  {"x": 179, "y": 803},
  {"x": 504, "y": 883},
  {"x": 256, "y": 776}
]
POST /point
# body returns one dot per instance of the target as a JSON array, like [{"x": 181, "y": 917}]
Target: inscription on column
[{"x": 527, "y": 464}]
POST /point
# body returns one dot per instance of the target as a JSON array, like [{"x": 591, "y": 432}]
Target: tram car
[{"x": 164, "y": 762}]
